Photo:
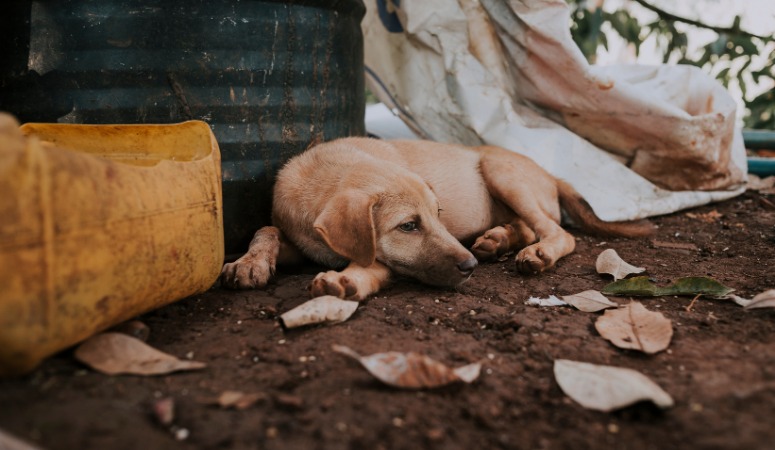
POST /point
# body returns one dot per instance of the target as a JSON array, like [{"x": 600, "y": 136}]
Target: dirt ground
[{"x": 720, "y": 367}]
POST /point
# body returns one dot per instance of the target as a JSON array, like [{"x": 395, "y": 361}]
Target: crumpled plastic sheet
[{"x": 635, "y": 141}]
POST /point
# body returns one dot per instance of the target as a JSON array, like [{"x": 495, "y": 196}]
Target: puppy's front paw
[
  {"x": 248, "y": 272},
  {"x": 336, "y": 284},
  {"x": 492, "y": 244},
  {"x": 533, "y": 259}
]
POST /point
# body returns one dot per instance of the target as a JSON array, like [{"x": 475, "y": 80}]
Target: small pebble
[
  {"x": 164, "y": 411},
  {"x": 435, "y": 434},
  {"x": 181, "y": 434}
]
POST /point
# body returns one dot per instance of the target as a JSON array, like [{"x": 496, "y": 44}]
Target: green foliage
[
  {"x": 586, "y": 31},
  {"x": 729, "y": 56},
  {"x": 761, "y": 111}
]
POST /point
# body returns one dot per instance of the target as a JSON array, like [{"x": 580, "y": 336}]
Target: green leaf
[
  {"x": 642, "y": 286},
  {"x": 723, "y": 75},
  {"x": 638, "y": 286},
  {"x": 746, "y": 46},
  {"x": 736, "y": 24},
  {"x": 741, "y": 79},
  {"x": 765, "y": 72},
  {"x": 653, "y": 27},
  {"x": 705, "y": 58},
  {"x": 586, "y": 32},
  {"x": 719, "y": 46},
  {"x": 681, "y": 41},
  {"x": 627, "y": 27},
  {"x": 596, "y": 19},
  {"x": 603, "y": 40}
]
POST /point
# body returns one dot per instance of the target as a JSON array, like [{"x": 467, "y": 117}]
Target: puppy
[{"x": 369, "y": 209}]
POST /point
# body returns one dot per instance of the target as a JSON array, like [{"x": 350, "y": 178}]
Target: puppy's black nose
[{"x": 466, "y": 267}]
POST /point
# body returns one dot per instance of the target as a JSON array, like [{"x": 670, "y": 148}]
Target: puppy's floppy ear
[{"x": 347, "y": 226}]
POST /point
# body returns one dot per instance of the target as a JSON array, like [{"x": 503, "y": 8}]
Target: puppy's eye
[{"x": 408, "y": 226}]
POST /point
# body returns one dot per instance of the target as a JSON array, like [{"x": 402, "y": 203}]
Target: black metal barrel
[{"x": 269, "y": 77}]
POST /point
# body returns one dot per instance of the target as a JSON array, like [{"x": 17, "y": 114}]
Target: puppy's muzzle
[{"x": 467, "y": 266}]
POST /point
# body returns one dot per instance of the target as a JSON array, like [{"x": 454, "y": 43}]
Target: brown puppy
[{"x": 369, "y": 208}]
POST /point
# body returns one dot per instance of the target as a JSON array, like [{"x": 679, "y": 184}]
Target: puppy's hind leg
[
  {"x": 254, "y": 269},
  {"x": 500, "y": 240},
  {"x": 532, "y": 194}
]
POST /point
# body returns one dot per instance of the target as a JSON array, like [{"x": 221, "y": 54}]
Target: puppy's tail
[{"x": 585, "y": 218}]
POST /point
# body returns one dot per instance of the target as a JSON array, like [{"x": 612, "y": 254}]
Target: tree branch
[{"x": 674, "y": 18}]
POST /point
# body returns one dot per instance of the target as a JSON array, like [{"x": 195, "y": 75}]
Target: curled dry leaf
[
  {"x": 764, "y": 300},
  {"x": 10, "y": 442},
  {"x": 763, "y": 185},
  {"x": 552, "y": 300},
  {"x": 635, "y": 327},
  {"x": 589, "y": 301},
  {"x": 756, "y": 183},
  {"x": 411, "y": 370},
  {"x": 609, "y": 262},
  {"x": 740, "y": 300},
  {"x": 117, "y": 353},
  {"x": 607, "y": 388},
  {"x": 318, "y": 310}
]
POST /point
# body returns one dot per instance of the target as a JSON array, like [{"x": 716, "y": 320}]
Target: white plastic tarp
[{"x": 634, "y": 140}]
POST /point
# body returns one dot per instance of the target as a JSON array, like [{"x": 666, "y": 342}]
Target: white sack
[{"x": 508, "y": 73}]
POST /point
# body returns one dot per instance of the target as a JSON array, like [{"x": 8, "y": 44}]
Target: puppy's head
[{"x": 399, "y": 226}]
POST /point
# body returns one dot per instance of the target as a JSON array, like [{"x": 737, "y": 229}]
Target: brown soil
[{"x": 720, "y": 367}]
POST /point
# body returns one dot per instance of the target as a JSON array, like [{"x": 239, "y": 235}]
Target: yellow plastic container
[{"x": 100, "y": 223}]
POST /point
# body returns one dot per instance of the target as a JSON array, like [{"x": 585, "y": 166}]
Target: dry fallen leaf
[
  {"x": 607, "y": 388},
  {"x": 411, "y": 370},
  {"x": 589, "y": 301},
  {"x": 10, "y": 442},
  {"x": 740, "y": 300},
  {"x": 318, "y": 310},
  {"x": 552, "y": 300},
  {"x": 764, "y": 185},
  {"x": 764, "y": 300},
  {"x": 635, "y": 327},
  {"x": 609, "y": 262},
  {"x": 117, "y": 353}
]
